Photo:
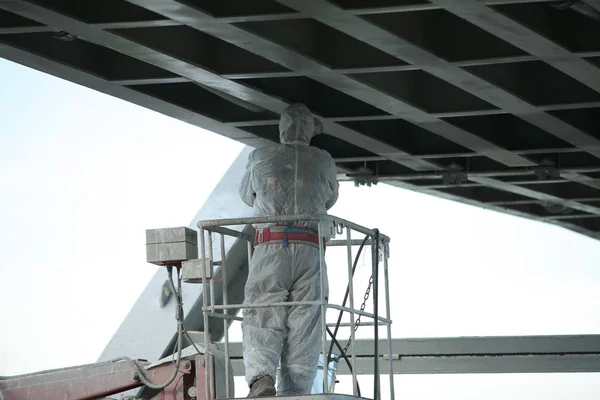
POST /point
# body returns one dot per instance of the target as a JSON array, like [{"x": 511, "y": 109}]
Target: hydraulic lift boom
[{"x": 94, "y": 381}]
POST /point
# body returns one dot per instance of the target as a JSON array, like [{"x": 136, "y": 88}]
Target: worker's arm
[
  {"x": 247, "y": 193},
  {"x": 334, "y": 184}
]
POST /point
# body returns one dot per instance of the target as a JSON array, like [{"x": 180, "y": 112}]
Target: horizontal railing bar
[
  {"x": 211, "y": 223},
  {"x": 211, "y": 309},
  {"x": 250, "y": 238},
  {"x": 262, "y": 305},
  {"x": 348, "y": 324}
]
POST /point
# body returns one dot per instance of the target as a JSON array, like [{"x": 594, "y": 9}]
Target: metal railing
[{"x": 328, "y": 226}]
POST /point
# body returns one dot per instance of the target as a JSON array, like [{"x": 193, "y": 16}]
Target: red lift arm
[{"x": 94, "y": 381}]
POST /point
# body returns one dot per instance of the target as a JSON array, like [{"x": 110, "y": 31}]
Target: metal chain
[{"x": 362, "y": 309}]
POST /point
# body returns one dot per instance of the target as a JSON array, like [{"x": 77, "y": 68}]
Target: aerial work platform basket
[{"x": 330, "y": 229}]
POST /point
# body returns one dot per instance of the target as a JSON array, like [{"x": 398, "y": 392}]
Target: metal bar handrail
[
  {"x": 215, "y": 307},
  {"x": 263, "y": 305},
  {"x": 352, "y": 321},
  {"x": 209, "y": 224},
  {"x": 329, "y": 324}
]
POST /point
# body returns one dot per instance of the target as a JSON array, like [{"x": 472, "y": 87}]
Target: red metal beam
[{"x": 95, "y": 380}]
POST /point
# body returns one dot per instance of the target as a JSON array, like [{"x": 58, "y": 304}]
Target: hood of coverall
[{"x": 298, "y": 125}]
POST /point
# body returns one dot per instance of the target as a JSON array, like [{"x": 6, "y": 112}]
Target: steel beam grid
[{"x": 390, "y": 129}]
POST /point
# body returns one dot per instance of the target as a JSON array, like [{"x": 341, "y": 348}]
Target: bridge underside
[{"x": 494, "y": 103}]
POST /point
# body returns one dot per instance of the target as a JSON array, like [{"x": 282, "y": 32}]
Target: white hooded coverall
[{"x": 288, "y": 179}]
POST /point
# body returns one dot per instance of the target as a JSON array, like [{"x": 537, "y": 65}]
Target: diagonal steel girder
[
  {"x": 202, "y": 76},
  {"x": 320, "y": 73}
]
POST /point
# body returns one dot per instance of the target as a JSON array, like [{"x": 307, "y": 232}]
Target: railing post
[
  {"x": 351, "y": 298},
  {"x": 226, "y": 314},
  {"x": 212, "y": 304},
  {"x": 207, "y": 363},
  {"x": 388, "y": 316},
  {"x": 323, "y": 309},
  {"x": 375, "y": 261}
]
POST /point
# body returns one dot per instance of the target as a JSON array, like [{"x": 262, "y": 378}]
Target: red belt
[{"x": 266, "y": 235}]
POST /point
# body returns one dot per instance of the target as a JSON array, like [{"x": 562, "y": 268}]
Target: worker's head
[{"x": 297, "y": 125}]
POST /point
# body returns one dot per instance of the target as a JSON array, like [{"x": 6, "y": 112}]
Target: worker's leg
[
  {"x": 269, "y": 279},
  {"x": 300, "y": 353}
]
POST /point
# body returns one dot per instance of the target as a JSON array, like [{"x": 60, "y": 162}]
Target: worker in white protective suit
[{"x": 288, "y": 179}]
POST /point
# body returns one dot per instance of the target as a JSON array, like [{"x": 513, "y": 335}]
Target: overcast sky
[{"x": 82, "y": 175}]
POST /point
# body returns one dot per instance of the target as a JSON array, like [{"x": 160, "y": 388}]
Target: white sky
[{"x": 82, "y": 175}]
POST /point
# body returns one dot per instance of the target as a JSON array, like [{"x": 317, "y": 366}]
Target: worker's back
[{"x": 292, "y": 180}]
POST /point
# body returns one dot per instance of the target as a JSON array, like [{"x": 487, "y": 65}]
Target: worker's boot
[{"x": 263, "y": 387}]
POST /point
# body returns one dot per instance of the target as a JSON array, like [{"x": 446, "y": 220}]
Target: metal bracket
[
  {"x": 191, "y": 270},
  {"x": 328, "y": 229},
  {"x": 454, "y": 175},
  {"x": 386, "y": 249},
  {"x": 556, "y": 209},
  {"x": 64, "y": 36},
  {"x": 547, "y": 171},
  {"x": 364, "y": 176}
]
